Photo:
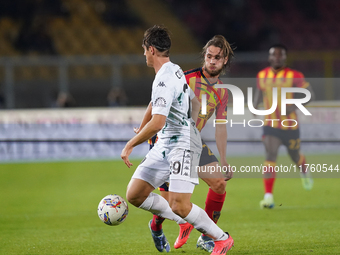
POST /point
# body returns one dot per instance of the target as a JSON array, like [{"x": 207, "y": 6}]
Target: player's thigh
[
  {"x": 272, "y": 141},
  {"x": 164, "y": 190},
  {"x": 165, "y": 194},
  {"x": 212, "y": 174},
  {"x": 137, "y": 191},
  {"x": 292, "y": 143},
  {"x": 211, "y": 171}
]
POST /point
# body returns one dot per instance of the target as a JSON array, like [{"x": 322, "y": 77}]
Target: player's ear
[
  {"x": 225, "y": 60},
  {"x": 152, "y": 50}
]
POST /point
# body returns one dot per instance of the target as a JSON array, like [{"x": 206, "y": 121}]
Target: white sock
[
  {"x": 201, "y": 221},
  {"x": 268, "y": 195},
  {"x": 156, "y": 204}
]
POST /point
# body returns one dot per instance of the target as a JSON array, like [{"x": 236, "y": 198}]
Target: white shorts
[{"x": 163, "y": 165}]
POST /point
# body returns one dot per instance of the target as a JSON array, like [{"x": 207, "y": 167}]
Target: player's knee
[
  {"x": 134, "y": 199},
  {"x": 295, "y": 156},
  {"x": 180, "y": 209},
  {"x": 218, "y": 185},
  {"x": 271, "y": 156}
]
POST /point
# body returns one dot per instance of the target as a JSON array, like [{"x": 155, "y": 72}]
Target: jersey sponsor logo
[
  {"x": 179, "y": 73},
  {"x": 161, "y": 84},
  {"x": 159, "y": 102}
]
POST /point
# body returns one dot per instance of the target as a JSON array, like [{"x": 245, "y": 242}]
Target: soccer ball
[{"x": 112, "y": 210}]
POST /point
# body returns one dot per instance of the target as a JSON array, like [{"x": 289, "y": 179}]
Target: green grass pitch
[{"x": 51, "y": 208}]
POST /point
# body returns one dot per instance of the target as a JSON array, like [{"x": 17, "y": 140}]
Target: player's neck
[
  {"x": 211, "y": 79},
  {"x": 159, "y": 62},
  {"x": 277, "y": 69}
]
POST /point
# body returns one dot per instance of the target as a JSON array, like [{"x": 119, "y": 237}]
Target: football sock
[
  {"x": 214, "y": 204},
  {"x": 156, "y": 223},
  {"x": 268, "y": 195},
  {"x": 269, "y": 176},
  {"x": 201, "y": 221},
  {"x": 156, "y": 204},
  {"x": 302, "y": 162}
]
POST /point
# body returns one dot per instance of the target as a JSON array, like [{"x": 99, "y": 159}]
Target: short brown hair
[
  {"x": 221, "y": 42},
  {"x": 158, "y": 37}
]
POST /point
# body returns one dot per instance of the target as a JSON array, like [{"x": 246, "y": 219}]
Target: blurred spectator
[
  {"x": 34, "y": 16},
  {"x": 64, "y": 100},
  {"x": 2, "y": 102},
  {"x": 116, "y": 13},
  {"x": 267, "y": 35},
  {"x": 116, "y": 97},
  {"x": 271, "y": 6},
  {"x": 225, "y": 17},
  {"x": 309, "y": 8},
  {"x": 36, "y": 38},
  {"x": 2, "y": 98}
]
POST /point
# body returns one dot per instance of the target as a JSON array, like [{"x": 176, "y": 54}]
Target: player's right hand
[
  {"x": 125, "y": 155},
  {"x": 136, "y": 130}
]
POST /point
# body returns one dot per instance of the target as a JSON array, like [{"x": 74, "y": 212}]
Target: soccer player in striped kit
[{"x": 280, "y": 129}]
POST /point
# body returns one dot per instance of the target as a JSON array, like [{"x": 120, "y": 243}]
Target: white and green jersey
[{"x": 171, "y": 97}]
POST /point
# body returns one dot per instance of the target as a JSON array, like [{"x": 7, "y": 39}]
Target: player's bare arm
[
  {"x": 257, "y": 97},
  {"x": 151, "y": 128},
  {"x": 146, "y": 118},
  {"x": 221, "y": 143}
]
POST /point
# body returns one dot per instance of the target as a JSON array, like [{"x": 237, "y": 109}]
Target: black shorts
[
  {"x": 207, "y": 155},
  {"x": 289, "y": 138}
]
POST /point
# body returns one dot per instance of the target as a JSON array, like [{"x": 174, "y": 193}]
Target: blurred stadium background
[
  {"x": 88, "y": 47},
  {"x": 86, "y": 56}
]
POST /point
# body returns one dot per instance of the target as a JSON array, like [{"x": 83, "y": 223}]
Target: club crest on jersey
[
  {"x": 159, "y": 102},
  {"x": 161, "y": 84}
]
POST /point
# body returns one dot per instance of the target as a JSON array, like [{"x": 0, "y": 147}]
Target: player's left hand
[
  {"x": 229, "y": 174},
  {"x": 125, "y": 155},
  {"x": 136, "y": 130}
]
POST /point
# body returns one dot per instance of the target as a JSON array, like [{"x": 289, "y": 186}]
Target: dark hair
[
  {"x": 280, "y": 46},
  {"x": 158, "y": 37},
  {"x": 221, "y": 42}
]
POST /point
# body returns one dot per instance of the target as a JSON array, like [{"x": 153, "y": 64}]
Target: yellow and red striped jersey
[
  {"x": 216, "y": 98},
  {"x": 286, "y": 77}
]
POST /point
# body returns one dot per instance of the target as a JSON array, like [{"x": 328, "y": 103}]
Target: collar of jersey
[
  {"x": 278, "y": 70},
  {"x": 206, "y": 79}
]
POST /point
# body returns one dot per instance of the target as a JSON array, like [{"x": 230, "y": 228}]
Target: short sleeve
[{"x": 299, "y": 80}]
